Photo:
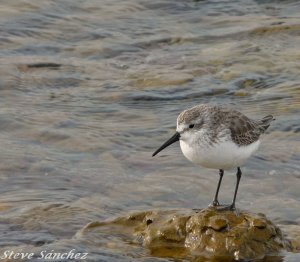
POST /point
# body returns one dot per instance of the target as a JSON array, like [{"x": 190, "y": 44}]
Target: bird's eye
[{"x": 191, "y": 126}]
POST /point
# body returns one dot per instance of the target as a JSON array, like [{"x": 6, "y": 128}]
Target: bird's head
[{"x": 189, "y": 124}]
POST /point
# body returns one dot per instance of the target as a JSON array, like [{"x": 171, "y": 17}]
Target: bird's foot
[
  {"x": 228, "y": 208},
  {"x": 215, "y": 203}
]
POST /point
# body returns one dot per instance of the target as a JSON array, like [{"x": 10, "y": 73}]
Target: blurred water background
[{"x": 89, "y": 89}]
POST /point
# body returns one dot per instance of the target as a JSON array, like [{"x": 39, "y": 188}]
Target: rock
[
  {"x": 209, "y": 232},
  {"x": 218, "y": 223},
  {"x": 240, "y": 236}
]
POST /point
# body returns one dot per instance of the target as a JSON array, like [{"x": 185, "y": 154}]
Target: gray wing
[{"x": 245, "y": 131}]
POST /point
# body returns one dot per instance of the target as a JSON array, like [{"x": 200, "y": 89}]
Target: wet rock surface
[{"x": 210, "y": 233}]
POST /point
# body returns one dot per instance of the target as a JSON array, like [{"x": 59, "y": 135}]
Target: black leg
[
  {"x": 238, "y": 178},
  {"x": 216, "y": 202}
]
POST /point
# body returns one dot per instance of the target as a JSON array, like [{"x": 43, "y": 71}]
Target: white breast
[{"x": 224, "y": 155}]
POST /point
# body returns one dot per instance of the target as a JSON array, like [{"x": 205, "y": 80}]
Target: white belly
[{"x": 225, "y": 155}]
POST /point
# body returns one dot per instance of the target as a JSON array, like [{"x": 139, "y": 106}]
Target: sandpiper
[{"x": 218, "y": 137}]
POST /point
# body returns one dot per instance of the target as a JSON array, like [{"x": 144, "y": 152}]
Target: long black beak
[{"x": 172, "y": 140}]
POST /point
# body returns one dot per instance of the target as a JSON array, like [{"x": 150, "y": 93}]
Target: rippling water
[{"x": 89, "y": 89}]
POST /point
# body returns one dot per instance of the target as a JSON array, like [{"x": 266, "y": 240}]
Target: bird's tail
[{"x": 265, "y": 122}]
